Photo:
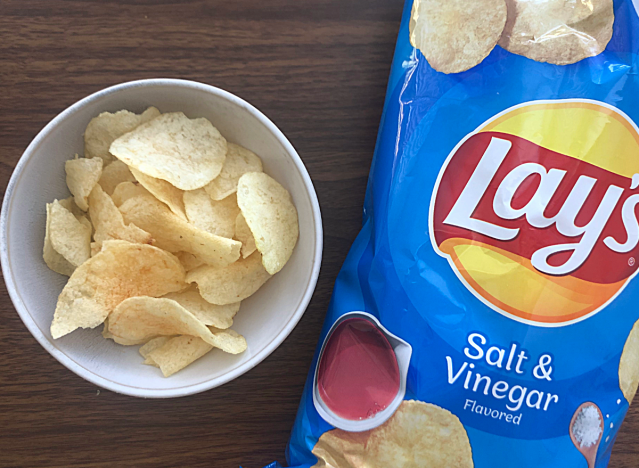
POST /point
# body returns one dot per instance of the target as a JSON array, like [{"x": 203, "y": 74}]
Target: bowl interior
[{"x": 265, "y": 319}]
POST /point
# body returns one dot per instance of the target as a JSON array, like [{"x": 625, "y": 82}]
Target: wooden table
[{"x": 319, "y": 70}]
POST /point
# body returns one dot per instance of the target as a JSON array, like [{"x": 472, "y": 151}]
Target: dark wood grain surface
[{"x": 318, "y": 70}]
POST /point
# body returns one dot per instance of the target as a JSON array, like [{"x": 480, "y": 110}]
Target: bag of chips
[{"x": 486, "y": 315}]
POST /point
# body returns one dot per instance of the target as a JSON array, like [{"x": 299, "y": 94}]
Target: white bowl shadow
[
  {"x": 265, "y": 319},
  {"x": 403, "y": 352}
]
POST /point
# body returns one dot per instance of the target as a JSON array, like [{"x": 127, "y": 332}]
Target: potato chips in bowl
[{"x": 183, "y": 229}]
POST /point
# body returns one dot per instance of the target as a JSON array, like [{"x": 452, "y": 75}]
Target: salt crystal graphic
[{"x": 587, "y": 427}]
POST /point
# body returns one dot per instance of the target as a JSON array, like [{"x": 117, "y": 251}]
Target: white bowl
[{"x": 265, "y": 319}]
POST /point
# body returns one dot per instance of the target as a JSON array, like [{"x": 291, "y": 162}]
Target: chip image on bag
[{"x": 486, "y": 315}]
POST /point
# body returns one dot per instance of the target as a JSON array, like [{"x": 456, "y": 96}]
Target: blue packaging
[{"x": 498, "y": 250}]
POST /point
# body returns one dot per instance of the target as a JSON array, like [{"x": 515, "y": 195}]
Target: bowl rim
[{"x": 187, "y": 389}]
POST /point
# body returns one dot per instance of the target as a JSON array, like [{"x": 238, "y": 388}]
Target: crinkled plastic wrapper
[{"x": 486, "y": 314}]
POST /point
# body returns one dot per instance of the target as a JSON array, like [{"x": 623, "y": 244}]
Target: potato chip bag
[
  {"x": 486, "y": 315},
  {"x": 119, "y": 271}
]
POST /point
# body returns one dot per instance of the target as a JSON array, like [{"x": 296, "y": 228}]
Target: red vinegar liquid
[{"x": 358, "y": 374}]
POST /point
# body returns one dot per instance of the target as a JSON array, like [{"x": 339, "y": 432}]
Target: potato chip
[
  {"x": 216, "y": 217},
  {"x": 84, "y": 218},
  {"x": 173, "y": 234},
  {"x": 69, "y": 204},
  {"x": 557, "y": 31},
  {"x": 188, "y": 153},
  {"x": 153, "y": 344},
  {"x": 219, "y": 316},
  {"x": 119, "y": 271},
  {"x": 245, "y": 236},
  {"x": 108, "y": 221},
  {"x": 629, "y": 365},
  {"x": 82, "y": 175},
  {"x": 126, "y": 190},
  {"x": 163, "y": 191},
  {"x": 417, "y": 435},
  {"x": 106, "y": 127},
  {"x": 229, "y": 340},
  {"x": 232, "y": 284},
  {"x": 421, "y": 434},
  {"x": 188, "y": 260},
  {"x": 238, "y": 161},
  {"x": 86, "y": 222},
  {"x": 142, "y": 318},
  {"x": 53, "y": 259},
  {"x": 69, "y": 236},
  {"x": 113, "y": 175},
  {"x": 341, "y": 449},
  {"x": 95, "y": 248},
  {"x": 456, "y": 35},
  {"x": 106, "y": 334},
  {"x": 271, "y": 216},
  {"x": 178, "y": 353}
]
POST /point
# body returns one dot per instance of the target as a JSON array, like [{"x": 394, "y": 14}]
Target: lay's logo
[{"x": 536, "y": 210}]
